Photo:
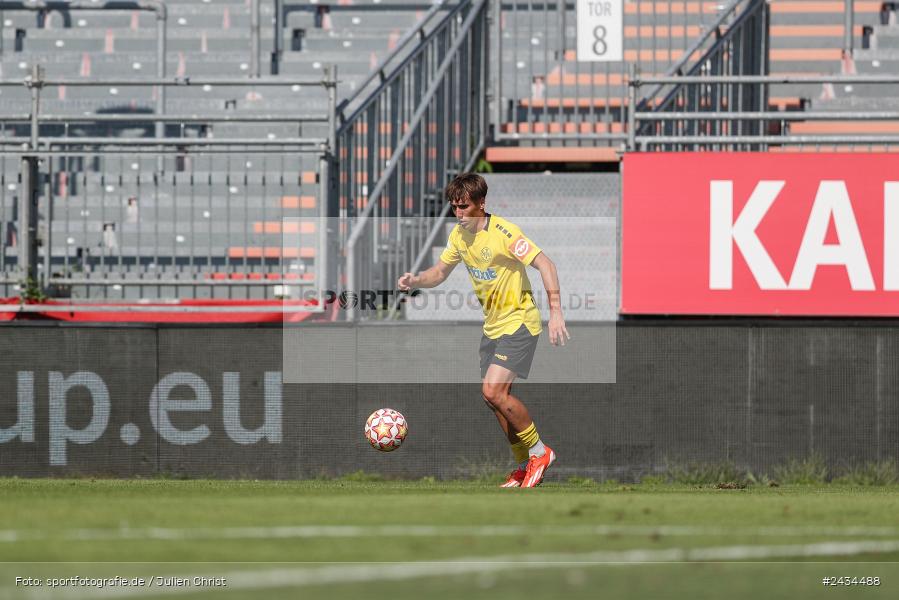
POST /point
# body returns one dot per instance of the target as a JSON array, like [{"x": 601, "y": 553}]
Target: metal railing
[
  {"x": 94, "y": 206},
  {"x": 426, "y": 122},
  {"x": 135, "y": 217},
  {"x": 682, "y": 130},
  {"x": 736, "y": 45},
  {"x": 379, "y": 73},
  {"x": 121, "y": 183},
  {"x": 542, "y": 92}
]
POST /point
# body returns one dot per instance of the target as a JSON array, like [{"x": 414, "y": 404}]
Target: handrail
[
  {"x": 378, "y": 71},
  {"x": 93, "y": 141},
  {"x": 103, "y": 306},
  {"x": 698, "y": 44},
  {"x": 410, "y": 131},
  {"x": 165, "y": 82},
  {"x": 769, "y": 79},
  {"x": 640, "y": 141},
  {"x": 59, "y": 5},
  {"x": 170, "y": 118},
  {"x": 389, "y": 78},
  {"x": 401, "y": 146},
  {"x": 713, "y": 29},
  {"x": 778, "y": 116},
  {"x": 36, "y": 82}
]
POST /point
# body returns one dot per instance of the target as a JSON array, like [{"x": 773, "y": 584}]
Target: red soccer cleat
[
  {"x": 537, "y": 466},
  {"x": 515, "y": 478}
]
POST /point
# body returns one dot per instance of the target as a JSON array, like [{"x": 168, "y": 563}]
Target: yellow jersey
[{"x": 496, "y": 258}]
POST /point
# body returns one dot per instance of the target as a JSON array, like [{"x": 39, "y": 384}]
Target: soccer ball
[{"x": 386, "y": 429}]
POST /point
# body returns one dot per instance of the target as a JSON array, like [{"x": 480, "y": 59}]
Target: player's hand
[
  {"x": 405, "y": 282},
  {"x": 557, "y": 331}
]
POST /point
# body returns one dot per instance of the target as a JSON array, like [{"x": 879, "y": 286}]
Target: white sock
[{"x": 537, "y": 449}]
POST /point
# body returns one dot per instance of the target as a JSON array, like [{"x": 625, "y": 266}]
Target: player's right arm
[
  {"x": 437, "y": 274},
  {"x": 426, "y": 279}
]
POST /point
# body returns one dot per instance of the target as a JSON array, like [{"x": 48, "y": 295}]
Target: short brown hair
[{"x": 467, "y": 185}]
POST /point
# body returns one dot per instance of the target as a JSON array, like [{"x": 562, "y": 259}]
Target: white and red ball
[{"x": 386, "y": 429}]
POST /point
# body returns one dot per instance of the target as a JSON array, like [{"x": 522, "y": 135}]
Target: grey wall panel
[
  {"x": 756, "y": 393},
  {"x": 123, "y": 360}
]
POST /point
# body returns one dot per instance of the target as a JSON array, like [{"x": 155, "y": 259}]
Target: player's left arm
[{"x": 557, "y": 331}]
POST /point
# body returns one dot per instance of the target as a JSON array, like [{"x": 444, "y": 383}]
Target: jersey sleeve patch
[{"x": 521, "y": 247}]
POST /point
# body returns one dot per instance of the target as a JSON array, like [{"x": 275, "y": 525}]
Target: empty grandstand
[{"x": 252, "y": 150}]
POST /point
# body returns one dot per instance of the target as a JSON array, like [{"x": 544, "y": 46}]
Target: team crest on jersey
[
  {"x": 486, "y": 254},
  {"x": 520, "y": 247}
]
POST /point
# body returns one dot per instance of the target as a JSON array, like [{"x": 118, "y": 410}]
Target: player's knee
[{"x": 493, "y": 394}]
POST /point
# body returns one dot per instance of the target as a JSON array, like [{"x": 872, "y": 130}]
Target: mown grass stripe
[
  {"x": 359, "y": 573},
  {"x": 401, "y": 531}
]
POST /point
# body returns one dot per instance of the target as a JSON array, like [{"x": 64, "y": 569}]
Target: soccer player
[{"x": 496, "y": 252}]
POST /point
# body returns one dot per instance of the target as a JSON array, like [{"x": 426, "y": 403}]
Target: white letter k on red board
[{"x": 725, "y": 232}]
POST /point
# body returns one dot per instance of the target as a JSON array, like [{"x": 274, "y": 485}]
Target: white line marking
[
  {"x": 403, "y": 531},
  {"x": 356, "y": 573}
]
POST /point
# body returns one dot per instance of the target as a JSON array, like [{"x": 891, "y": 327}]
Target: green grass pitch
[{"x": 347, "y": 539}]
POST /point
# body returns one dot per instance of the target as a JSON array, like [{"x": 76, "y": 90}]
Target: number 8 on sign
[
  {"x": 599, "y": 45},
  {"x": 600, "y": 30}
]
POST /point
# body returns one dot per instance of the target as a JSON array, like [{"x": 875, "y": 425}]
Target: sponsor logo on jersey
[
  {"x": 520, "y": 247},
  {"x": 501, "y": 356},
  {"x": 482, "y": 274},
  {"x": 504, "y": 230}
]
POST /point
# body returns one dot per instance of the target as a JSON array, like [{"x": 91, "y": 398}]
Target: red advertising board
[{"x": 760, "y": 234}]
